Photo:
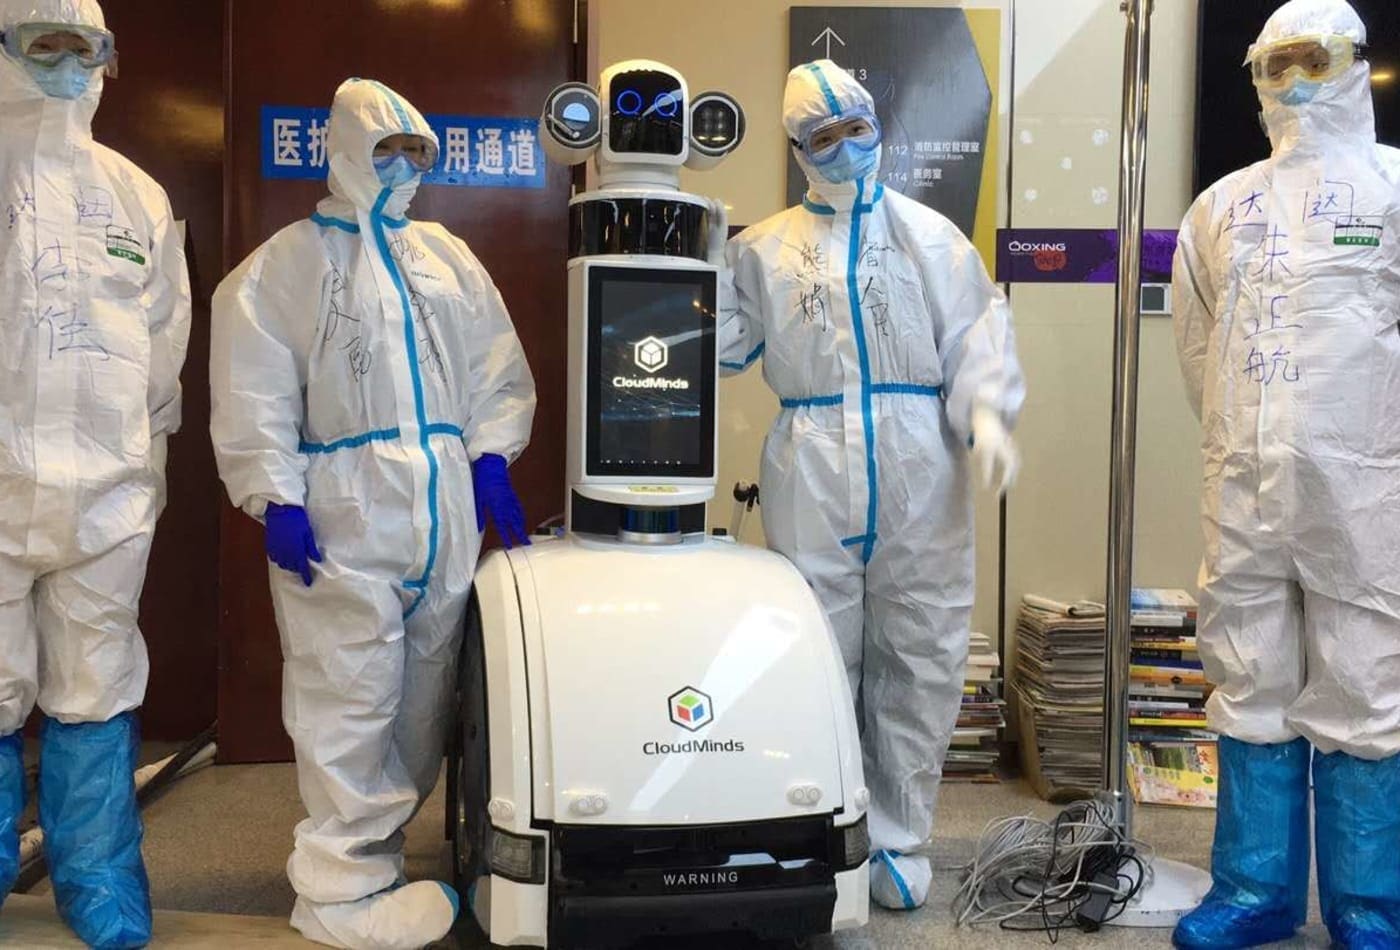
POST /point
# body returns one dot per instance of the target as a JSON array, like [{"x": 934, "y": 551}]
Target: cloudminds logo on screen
[{"x": 651, "y": 355}]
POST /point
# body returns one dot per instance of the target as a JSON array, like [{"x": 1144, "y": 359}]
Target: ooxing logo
[{"x": 1048, "y": 256}]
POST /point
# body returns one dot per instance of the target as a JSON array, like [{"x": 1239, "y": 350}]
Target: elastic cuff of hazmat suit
[{"x": 92, "y": 830}]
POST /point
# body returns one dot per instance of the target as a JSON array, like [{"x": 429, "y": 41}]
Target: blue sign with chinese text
[{"x": 476, "y": 151}]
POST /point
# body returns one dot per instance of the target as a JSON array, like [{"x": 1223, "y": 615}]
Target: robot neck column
[{"x": 619, "y": 176}]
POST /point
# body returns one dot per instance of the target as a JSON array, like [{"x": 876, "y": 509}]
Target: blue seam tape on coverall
[
  {"x": 879, "y": 389},
  {"x": 822, "y": 209},
  {"x": 831, "y": 99},
  {"x": 379, "y": 435},
  {"x": 754, "y": 354},
  {"x": 398, "y": 106},
  {"x": 867, "y": 414},
  {"x": 351, "y": 227},
  {"x": 411, "y": 344},
  {"x": 898, "y": 879}
]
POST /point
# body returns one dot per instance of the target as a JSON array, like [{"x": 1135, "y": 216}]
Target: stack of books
[
  {"x": 1059, "y": 696},
  {"x": 1171, "y": 749},
  {"x": 976, "y": 746}
]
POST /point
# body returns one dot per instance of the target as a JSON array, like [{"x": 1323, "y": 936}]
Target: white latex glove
[
  {"x": 993, "y": 451},
  {"x": 719, "y": 232}
]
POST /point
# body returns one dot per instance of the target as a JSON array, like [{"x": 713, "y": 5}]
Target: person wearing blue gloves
[
  {"x": 369, "y": 392},
  {"x": 1287, "y": 297},
  {"x": 90, "y": 362}
]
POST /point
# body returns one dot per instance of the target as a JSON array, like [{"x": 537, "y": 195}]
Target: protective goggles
[
  {"x": 822, "y": 143},
  {"x": 48, "y": 44},
  {"x": 420, "y": 151},
  {"x": 1317, "y": 58}
]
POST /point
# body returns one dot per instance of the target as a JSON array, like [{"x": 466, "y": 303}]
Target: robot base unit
[
  {"x": 656, "y": 735},
  {"x": 655, "y": 741}
]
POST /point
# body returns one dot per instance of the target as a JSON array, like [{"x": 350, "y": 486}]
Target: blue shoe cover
[
  {"x": 11, "y": 809},
  {"x": 1261, "y": 859},
  {"x": 92, "y": 830},
  {"x": 1358, "y": 849}
]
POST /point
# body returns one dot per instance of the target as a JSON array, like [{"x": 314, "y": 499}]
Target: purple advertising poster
[{"x": 1077, "y": 256}]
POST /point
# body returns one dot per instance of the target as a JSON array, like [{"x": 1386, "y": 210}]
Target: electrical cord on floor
[{"x": 1033, "y": 875}]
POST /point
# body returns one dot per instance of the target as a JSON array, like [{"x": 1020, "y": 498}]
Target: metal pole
[{"x": 1123, "y": 453}]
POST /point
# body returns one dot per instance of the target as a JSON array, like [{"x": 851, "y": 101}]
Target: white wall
[
  {"x": 1065, "y": 161},
  {"x": 1067, "y": 58}
]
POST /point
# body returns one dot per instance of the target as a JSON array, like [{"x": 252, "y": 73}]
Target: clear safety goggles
[
  {"x": 48, "y": 44},
  {"x": 420, "y": 151},
  {"x": 822, "y": 143},
  {"x": 1317, "y": 58}
]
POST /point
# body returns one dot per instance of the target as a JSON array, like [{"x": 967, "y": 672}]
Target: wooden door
[
  {"x": 448, "y": 57},
  {"x": 166, "y": 113}
]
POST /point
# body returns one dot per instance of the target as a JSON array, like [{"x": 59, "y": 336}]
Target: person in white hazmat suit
[
  {"x": 367, "y": 386},
  {"x": 1287, "y": 301},
  {"x": 891, "y": 350},
  {"x": 94, "y": 325}
]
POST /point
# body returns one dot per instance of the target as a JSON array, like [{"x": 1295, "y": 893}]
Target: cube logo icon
[
  {"x": 652, "y": 354},
  {"x": 692, "y": 709}
]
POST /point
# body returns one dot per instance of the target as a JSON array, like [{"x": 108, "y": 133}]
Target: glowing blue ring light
[
  {"x": 635, "y": 97},
  {"x": 666, "y": 105}
]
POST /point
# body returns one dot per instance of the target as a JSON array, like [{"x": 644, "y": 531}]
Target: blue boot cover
[
  {"x": 1260, "y": 859},
  {"x": 92, "y": 830},
  {"x": 11, "y": 808},
  {"x": 1358, "y": 849}
]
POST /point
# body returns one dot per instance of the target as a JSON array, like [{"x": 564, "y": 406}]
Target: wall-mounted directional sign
[{"x": 925, "y": 71}]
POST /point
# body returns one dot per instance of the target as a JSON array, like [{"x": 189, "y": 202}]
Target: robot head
[{"x": 643, "y": 116}]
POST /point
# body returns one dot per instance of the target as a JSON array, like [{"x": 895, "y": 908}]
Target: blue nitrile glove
[
  {"x": 291, "y": 544},
  {"x": 495, "y": 496}
]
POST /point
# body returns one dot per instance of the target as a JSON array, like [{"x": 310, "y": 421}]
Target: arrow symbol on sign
[{"x": 828, "y": 34}]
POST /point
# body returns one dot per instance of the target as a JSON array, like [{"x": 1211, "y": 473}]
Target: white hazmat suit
[
  {"x": 1287, "y": 303},
  {"x": 94, "y": 324},
  {"x": 1286, "y": 308},
  {"x": 883, "y": 336},
  {"x": 361, "y": 362}
]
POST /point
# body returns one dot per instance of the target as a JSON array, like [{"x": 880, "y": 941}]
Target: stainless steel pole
[{"x": 1123, "y": 453}]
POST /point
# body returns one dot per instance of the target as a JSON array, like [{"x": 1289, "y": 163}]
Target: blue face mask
[
  {"x": 67, "y": 80},
  {"x": 853, "y": 161},
  {"x": 1300, "y": 93},
  {"x": 395, "y": 170}
]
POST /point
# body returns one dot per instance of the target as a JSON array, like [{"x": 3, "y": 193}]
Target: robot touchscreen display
[{"x": 651, "y": 393}]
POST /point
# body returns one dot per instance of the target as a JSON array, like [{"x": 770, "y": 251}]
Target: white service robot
[{"x": 657, "y": 734}]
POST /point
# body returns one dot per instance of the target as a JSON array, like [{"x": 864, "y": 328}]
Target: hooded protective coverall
[
  {"x": 881, "y": 333},
  {"x": 94, "y": 323},
  {"x": 1287, "y": 301},
  {"x": 361, "y": 361}
]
